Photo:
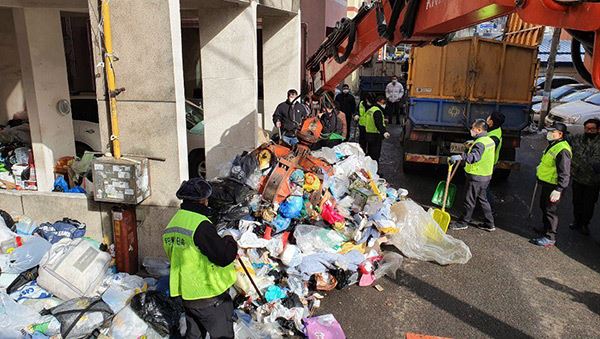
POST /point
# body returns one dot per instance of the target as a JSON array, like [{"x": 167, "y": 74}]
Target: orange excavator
[{"x": 418, "y": 22}]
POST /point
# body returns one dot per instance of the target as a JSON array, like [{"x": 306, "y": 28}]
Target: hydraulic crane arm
[{"x": 424, "y": 21}]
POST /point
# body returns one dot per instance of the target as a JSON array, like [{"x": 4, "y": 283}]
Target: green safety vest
[
  {"x": 192, "y": 275},
  {"x": 546, "y": 170},
  {"x": 485, "y": 166},
  {"x": 498, "y": 134},
  {"x": 370, "y": 120},
  {"x": 362, "y": 114}
]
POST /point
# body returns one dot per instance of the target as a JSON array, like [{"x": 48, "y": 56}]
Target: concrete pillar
[
  {"x": 229, "y": 80},
  {"x": 11, "y": 88},
  {"x": 152, "y": 109},
  {"x": 281, "y": 60},
  {"x": 44, "y": 72}
]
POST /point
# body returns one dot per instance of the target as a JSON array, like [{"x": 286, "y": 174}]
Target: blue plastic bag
[
  {"x": 291, "y": 207},
  {"x": 281, "y": 223},
  {"x": 60, "y": 185}
]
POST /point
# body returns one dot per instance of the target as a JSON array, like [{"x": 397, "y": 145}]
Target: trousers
[
  {"x": 374, "y": 142},
  {"x": 394, "y": 109},
  {"x": 477, "y": 193},
  {"x": 584, "y": 201},
  {"x": 362, "y": 138},
  {"x": 549, "y": 211},
  {"x": 215, "y": 319}
]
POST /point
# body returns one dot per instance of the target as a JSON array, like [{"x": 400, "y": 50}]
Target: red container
[{"x": 125, "y": 237}]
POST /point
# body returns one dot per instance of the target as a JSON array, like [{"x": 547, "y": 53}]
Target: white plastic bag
[
  {"x": 14, "y": 317},
  {"x": 312, "y": 239},
  {"x": 121, "y": 287},
  {"x": 127, "y": 324},
  {"x": 420, "y": 237},
  {"x": 29, "y": 255}
]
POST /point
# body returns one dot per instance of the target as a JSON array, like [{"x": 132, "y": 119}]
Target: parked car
[
  {"x": 86, "y": 128},
  {"x": 560, "y": 92},
  {"x": 578, "y": 95},
  {"x": 575, "y": 113},
  {"x": 557, "y": 81}
]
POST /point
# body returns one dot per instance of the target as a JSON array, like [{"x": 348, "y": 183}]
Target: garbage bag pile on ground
[{"x": 325, "y": 234}]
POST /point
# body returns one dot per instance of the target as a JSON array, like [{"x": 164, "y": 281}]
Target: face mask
[
  {"x": 394, "y": 81},
  {"x": 473, "y": 133},
  {"x": 382, "y": 105},
  {"x": 346, "y": 91},
  {"x": 550, "y": 136}
]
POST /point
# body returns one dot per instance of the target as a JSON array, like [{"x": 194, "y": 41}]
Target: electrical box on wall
[{"x": 122, "y": 181}]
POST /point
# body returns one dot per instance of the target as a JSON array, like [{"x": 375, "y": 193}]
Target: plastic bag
[
  {"x": 122, "y": 286},
  {"x": 323, "y": 327},
  {"x": 312, "y": 239},
  {"x": 420, "y": 237},
  {"x": 156, "y": 267},
  {"x": 159, "y": 311},
  {"x": 339, "y": 186},
  {"x": 31, "y": 290},
  {"x": 291, "y": 207},
  {"x": 28, "y": 256},
  {"x": 126, "y": 324},
  {"x": 311, "y": 182},
  {"x": 389, "y": 265},
  {"x": 281, "y": 223},
  {"x": 14, "y": 317},
  {"x": 79, "y": 317}
]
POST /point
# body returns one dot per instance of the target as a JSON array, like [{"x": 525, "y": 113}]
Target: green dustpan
[{"x": 438, "y": 195}]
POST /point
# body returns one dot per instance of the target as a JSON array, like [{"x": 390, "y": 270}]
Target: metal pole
[
  {"x": 549, "y": 76},
  {"x": 110, "y": 79}
]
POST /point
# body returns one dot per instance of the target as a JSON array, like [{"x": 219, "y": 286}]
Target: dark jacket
[
  {"x": 585, "y": 164},
  {"x": 347, "y": 103},
  {"x": 220, "y": 251},
  {"x": 290, "y": 117},
  {"x": 331, "y": 124},
  {"x": 563, "y": 167}
]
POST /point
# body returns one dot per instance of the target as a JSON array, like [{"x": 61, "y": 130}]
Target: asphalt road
[{"x": 509, "y": 289}]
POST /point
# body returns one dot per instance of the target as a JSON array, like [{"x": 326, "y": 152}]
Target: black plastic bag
[
  {"x": 8, "y": 220},
  {"x": 23, "y": 278},
  {"x": 159, "y": 311},
  {"x": 342, "y": 277}
]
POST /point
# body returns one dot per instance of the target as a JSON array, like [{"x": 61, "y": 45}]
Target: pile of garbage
[{"x": 321, "y": 229}]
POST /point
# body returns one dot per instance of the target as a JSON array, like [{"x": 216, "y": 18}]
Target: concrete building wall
[{"x": 11, "y": 88}]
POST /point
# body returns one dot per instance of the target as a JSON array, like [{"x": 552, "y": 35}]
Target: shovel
[
  {"x": 443, "y": 188},
  {"x": 440, "y": 215}
]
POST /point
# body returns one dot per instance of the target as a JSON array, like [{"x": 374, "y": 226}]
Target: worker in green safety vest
[
  {"x": 479, "y": 166},
  {"x": 375, "y": 128},
  {"x": 202, "y": 268},
  {"x": 364, "y": 105},
  {"x": 553, "y": 174}
]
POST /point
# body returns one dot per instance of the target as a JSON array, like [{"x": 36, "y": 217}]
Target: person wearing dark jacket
[
  {"x": 347, "y": 104},
  {"x": 288, "y": 117},
  {"x": 202, "y": 268},
  {"x": 553, "y": 175},
  {"x": 495, "y": 122},
  {"x": 479, "y": 167},
  {"x": 585, "y": 171},
  {"x": 375, "y": 128},
  {"x": 333, "y": 127}
]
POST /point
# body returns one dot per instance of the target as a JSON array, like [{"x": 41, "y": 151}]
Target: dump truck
[{"x": 451, "y": 86}]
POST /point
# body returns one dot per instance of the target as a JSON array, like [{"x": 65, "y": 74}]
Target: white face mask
[
  {"x": 473, "y": 133},
  {"x": 550, "y": 136},
  {"x": 346, "y": 91},
  {"x": 394, "y": 81},
  {"x": 382, "y": 105}
]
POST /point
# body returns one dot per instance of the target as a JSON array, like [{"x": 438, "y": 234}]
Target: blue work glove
[{"x": 454, "y": 159}]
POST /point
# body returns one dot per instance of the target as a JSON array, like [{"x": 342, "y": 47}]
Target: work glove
[
  {"x": 555, "y": 196},
  {"x": 454, "y": 159},
  {"x": 356, "y": 118},
  {"x": 386, "y": 135}
]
